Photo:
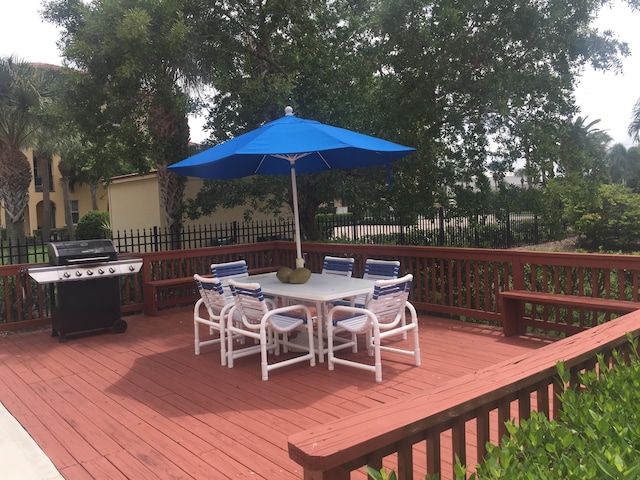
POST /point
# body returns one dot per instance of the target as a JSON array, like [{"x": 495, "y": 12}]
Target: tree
[
  {"x": 634, "y": 127},
  {"x": 306, "y": 54},
  {"x": 135, "y": 64},
  {"x": 464, "y": 83},
  {"x": 580, "y": 167},
  {"x": 624, "y": 165},
  {"x": 23, "y": 92}
]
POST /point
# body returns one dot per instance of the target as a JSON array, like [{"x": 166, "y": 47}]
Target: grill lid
[{"x": 82, "y": 251}]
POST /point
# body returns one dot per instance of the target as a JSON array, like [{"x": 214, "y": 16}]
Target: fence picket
[{"x": 441, "y": 227}]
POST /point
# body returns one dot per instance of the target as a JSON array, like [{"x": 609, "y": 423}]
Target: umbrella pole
[{"x": 296, "y": 215}]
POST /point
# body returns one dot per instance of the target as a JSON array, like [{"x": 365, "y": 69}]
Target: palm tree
[
  {"x": 634, "y": 127},
  {"x": 620, "y": 167},
  {"x": 21, "y": 98}
]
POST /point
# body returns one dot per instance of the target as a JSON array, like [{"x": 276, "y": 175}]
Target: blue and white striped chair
[
  {"x": 338, "y": 266},
  {"x": 373, "y": 270},
  {"x": 380, "y": 319},
  {"x": 225, "y": 271},
  {"x": 217, "y": 305},
  {"x": 266, "y": 324}
]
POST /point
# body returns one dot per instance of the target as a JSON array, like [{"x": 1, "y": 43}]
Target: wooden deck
[{"x": 142, "y": 405}]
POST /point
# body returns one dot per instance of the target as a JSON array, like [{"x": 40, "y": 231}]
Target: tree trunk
[
  {"x": 45, "y": 227},
  {"x": 94, "y": 197},
  {"x": 15, "y": 175},
  {"x": 68, "y": 216},
  {"x": 307, "y": 208}
]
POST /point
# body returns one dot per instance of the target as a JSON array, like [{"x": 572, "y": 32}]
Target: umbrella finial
[{"x": 288, "y": 111}]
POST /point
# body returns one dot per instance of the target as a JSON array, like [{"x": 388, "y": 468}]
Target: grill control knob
[
  {"x": 78, "y": 273},
  {"x": 66, "y": 274},
  {"x": 131, "y": 269},
  {"x": 89, "y": 272},
  {"x": 100, "y": 271},
  {"x": 112, "y": 270}
]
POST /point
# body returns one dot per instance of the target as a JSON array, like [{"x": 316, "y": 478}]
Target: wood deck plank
[{"x": 142, "y": 405}]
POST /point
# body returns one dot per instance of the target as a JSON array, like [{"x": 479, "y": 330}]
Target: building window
[
  {"x": 75, "y": 211},
  {"x": 37, "y": 176}
]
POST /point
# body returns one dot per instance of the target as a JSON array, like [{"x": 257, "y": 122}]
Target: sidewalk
[{"x": 20, "y": 456}]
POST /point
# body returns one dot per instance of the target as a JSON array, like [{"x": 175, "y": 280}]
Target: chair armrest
[{"x": 287, "y": 309}]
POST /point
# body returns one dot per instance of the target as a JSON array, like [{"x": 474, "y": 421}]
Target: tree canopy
[{"x": 468, "y": 84}]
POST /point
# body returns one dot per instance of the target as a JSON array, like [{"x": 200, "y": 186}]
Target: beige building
[
  {"x": 79, "y": 194},
  {"x": 134, "y": 203}
]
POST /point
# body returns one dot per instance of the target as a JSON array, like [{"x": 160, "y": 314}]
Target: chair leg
[
  {"x": 196, "y": 337},
  {"x": 223, "y": 346},
  {"x": 330, "y": 364},
  {"x": 377, "y": 354},
  {"x": 416, "y": 346},
  {"x": 230, "y": 350},
  {"x": 263, "y": 353}
]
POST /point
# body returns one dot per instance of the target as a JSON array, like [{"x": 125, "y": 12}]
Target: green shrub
[
  {"x": 94, "y": 224},
  {"x": 596, "y": 436},
  {"x": 614, "y": 224}
]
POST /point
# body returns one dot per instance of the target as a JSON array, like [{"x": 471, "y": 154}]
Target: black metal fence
[{"x": 442, "y": 227}]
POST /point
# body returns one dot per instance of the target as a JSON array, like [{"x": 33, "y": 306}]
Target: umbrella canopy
[{"x": 291, "y": 145}]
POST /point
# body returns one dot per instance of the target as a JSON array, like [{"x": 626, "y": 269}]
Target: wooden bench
[
  {"x": 512, "y": 304},
  {"x": 151, "y": 288}
]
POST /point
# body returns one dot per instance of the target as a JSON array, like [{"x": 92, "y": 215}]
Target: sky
[{"x": 604, "y": 96}]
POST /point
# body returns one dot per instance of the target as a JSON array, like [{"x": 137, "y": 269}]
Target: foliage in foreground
[{"x": 597, "y": 434}]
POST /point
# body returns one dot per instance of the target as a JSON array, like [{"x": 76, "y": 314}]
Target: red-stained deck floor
[{"x": 142, "y": 405}]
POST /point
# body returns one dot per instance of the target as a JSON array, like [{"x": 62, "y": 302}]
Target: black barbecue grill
[{"x": 85, "y": 287}]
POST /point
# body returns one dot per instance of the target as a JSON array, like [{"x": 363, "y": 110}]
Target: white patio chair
[
  {"x": 217, "y": 306},
  {"x": 374, "y": 270},
  {"x": 262, "y": 322},
  {"x": 225, "y": 271},
  {"x": 338, "y": 266},
  {"x": 379, "y": 320}
]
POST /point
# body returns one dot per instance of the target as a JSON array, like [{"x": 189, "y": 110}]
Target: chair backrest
[
  {"x": 212, "y": 294},
  {"x": 249, "y": 301},
  {"x": 338, "y": 266},
  {"x": 381, "y": 269},
  {"x": 225, "y": 271},
  {"x": 389, "y": 298}
]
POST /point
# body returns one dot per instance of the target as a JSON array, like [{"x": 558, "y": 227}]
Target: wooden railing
[
  {"x": 426, "y": 432},
  {"x": 459, "y": 282}
]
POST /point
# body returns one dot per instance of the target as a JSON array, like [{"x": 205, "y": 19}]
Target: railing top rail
[{"x": 333, "y": 444}]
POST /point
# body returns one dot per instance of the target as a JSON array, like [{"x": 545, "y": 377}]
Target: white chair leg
[
  {"x": 330, "y": 364},
  {"x": 196, "y": 336},
  {"x": 377, "y": 354},
  {"x": 263, "y": 353},
  {"x": 416, "y": 346},
  {"x": 223, "y": 347},
  {"x": 230, "y": 350}
]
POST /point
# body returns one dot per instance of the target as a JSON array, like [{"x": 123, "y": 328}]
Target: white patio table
[{"x": 321, "y": 289}]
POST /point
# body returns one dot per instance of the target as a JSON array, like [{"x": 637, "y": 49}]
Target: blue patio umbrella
[{"x": 291, "y": 145}]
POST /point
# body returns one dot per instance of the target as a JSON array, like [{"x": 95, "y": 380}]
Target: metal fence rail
[{"x": 440, "y": 227}]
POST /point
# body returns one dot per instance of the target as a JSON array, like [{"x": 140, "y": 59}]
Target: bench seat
[
  {"x": 512, "y": 304},
  {"x": 151, "y": 288}
]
